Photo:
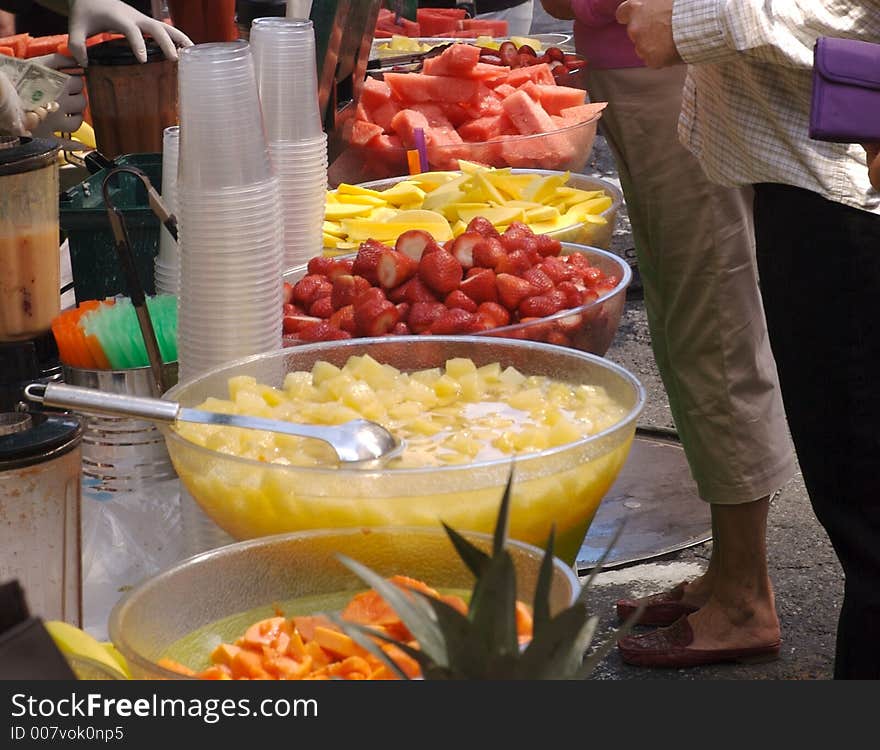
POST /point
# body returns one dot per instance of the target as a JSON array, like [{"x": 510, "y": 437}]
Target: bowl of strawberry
[{"x": 512, "y": 284}]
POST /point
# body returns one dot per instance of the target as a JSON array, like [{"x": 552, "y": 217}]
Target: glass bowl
[
  {"x": 590, "y": 327},
  {"x": 300, "y": 572},
  {"x": 560, "y": 486},
  {"x": 566, "y": 149},
  {"x": 585, "y": 233}
]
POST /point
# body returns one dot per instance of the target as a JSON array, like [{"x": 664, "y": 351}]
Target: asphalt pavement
[{"x": 806, "y": 575}]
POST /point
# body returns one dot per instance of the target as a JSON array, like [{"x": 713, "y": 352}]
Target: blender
[
  {"x": 30, "y": 265},
  {"x": 40, "y": 453}
]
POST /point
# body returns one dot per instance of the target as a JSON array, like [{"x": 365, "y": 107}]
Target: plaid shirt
[{"x": 746, "y": 104}]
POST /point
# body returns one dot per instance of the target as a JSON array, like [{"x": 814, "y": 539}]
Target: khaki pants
[{"x": 695, "y": 246}]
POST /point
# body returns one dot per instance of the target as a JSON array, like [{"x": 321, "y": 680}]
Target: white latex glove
[
  {"x": 11, "y": 111},
  {"x": 88, "y": 17},
  {"x": 71, "y": 102}
]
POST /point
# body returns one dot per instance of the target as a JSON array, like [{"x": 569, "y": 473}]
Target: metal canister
[
  {"x": 40, "y": 495},
  {"x": 118, "y": 453}
]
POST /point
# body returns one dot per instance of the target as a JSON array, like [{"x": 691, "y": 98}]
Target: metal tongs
[
  {"x": 409, "y": 63},
  {"x": 354, "y": 442},
  {"x": 126, "y": 260}
]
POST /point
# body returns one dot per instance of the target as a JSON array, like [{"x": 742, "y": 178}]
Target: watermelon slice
[
  {"x": 44, "y": 45},
  {"x": 583, "y": 112},
  {"x": 541, "y": 73},
  {"x": 411, "y": 88},
  {"x": 458, "y": 59},
  {"x": 404, "y": 124},
  {"x": 363, "y": 132},
  {"x": 485, "y": 128},
  {"x": 374, "y": 93},
  {"x": 554, "y": 98},
  {"x": 527, "y": 115},
  {"x": 9, "y": 51},
  {"x": 384, "y": 114}
]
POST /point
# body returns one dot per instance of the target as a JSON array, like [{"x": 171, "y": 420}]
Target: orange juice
[{"x": 29, "y": 282}]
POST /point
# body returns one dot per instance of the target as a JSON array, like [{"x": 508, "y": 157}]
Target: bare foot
[{"x": 731, "y": 620}]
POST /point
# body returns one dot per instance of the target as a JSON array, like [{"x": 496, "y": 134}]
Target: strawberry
[
  {"x": 512, "y": 290},
  {"x": 489, "y": 252},
  {"x": 414, "y": 243},
  {"x": 558, "y": 338},
  {"x": 412, "y": 291},
  {"x": 578, "y": 261},
  {"x": 441, "y": 271},
  {"x": 287, "y": 295},
  {"x": 539, "y": 280},
  {"x": 322, "y": 331},
  {"x": 481, "y": 287},
  {"x": 423, "y": 314},
  {"x": 591, "y": 276},
  {"x": 339, "y": 267},
  {"x": 463, "y": 248},
  {"x": 548, "y": 246},
  {"x": 289, "y": 309},
  {"x": 394, "y": 268},
  {"x": 319, "y": 265},
  {"x": 513, "y": 235},
  {"x": 371, "y": 294},
  {"x": 321, "y": 308},
  {"x": 515, "y": 263},
  {"x": 346, "y": 289},
  {"x": 557, "y": 269},
  {"x": 403, "y": 309},
  {"x": 343, "y": 319},
  {"x": 542, "y": 305},
  {"x": 400, "y": 329},
  {"x": 529, "y": 245},
  {"x": 375, "y": 317},
  {"x": 571, "y": 292},
  {"x": 367, "y": 259},
  {"x": 309, "y": 288},
  {"x": 494, "y": 312},
  {"x": 457, "y": 299},
  {"x": 293, "y": 323},
  {"x": 483, "y": 226},
  {"x": 455, "y": 321}
]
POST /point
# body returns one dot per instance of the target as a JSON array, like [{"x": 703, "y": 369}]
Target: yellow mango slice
[
  {"x": 334, "y": 211},
  {"x": 498, "y": 215}
]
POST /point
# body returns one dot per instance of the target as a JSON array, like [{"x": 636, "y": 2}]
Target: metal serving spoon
[{"x": 355, "y": 441}]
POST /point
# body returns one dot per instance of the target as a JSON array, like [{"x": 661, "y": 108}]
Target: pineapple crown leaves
[{"x": 483, "y": 644}]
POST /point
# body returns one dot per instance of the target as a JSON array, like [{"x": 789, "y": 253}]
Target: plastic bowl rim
[
  {"x": 513, "y": 459},
  {"x": 131, "y": 655}
]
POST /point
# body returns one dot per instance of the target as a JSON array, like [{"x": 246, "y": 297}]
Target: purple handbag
[{"x": 845, "y": 107}]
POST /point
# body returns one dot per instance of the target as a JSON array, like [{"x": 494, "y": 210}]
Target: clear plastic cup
[
  {"x": 222, "y": 142},
  {"x": 287, "y": 78}
]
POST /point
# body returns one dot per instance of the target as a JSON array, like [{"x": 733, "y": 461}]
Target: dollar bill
[{"x": 37, "y": 85}]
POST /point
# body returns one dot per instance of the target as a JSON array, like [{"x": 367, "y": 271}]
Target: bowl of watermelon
[
  {"x": 467, "y": 109},
  {"x": 514, "y": 284}
]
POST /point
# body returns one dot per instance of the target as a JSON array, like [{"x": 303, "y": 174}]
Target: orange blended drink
[{"x": 30, "y": 264}]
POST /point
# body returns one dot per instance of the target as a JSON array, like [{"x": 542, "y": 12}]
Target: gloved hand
[
  {"x": 71, "y": 102},
  {"x": 11, "y": 111},
  {"x": 88, "y": 17}
]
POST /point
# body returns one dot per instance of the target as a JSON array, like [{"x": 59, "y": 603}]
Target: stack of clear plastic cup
[
  {"x": 231, "y": 235},
  {"x": 284, "y": 58},
  {"x": 167, "y": 267}
]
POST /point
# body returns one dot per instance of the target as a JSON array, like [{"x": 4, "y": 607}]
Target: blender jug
[
  {"x": 30, "y": 262},
  {"x": 40, "y": 493}
]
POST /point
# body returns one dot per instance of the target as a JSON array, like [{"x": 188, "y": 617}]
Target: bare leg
[{"x": 740, "y": 610}]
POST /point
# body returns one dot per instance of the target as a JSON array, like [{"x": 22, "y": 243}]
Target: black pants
[{"x": 819, "y": 264}]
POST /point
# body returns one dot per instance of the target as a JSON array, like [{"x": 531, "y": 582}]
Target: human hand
[
  {"x": 68, "y": 116},
  {"x": 88, "y": 17},
  {"x": 11, "y": 111},
  {"x": 873, "y": 160},
  {"x": 649, "y": 25}
]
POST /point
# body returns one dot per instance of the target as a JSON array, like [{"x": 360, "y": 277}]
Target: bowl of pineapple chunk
[{"x": 470, "y": 409}]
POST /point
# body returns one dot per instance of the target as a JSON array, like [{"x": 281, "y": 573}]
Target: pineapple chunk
[{"x": 459, "y": 366}]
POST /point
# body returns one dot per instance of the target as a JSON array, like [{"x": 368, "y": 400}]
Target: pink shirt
[{"x": 600, "y": 38}]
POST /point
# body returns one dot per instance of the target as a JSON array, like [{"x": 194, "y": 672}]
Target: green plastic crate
[{"x": 94, "y": 261}]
